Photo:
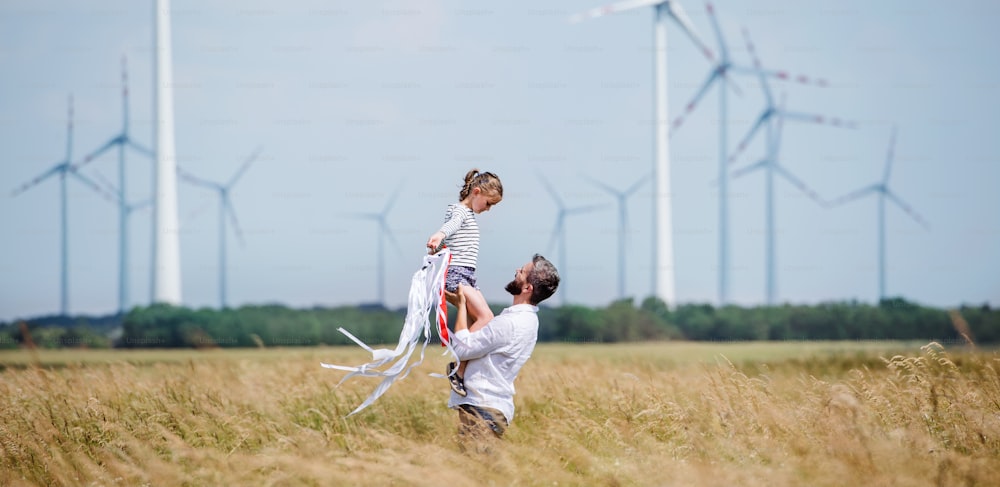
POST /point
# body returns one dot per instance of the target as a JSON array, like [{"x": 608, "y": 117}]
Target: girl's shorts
[{"x": 458, "y": 274}]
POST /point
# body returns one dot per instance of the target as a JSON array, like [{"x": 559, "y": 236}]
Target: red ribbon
[{"x": 442, "y": 312}]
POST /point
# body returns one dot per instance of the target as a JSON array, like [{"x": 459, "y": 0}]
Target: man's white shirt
[{"x": 497, "y": 353}]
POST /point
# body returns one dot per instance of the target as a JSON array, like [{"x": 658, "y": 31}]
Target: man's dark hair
[{"x": 544, "y": 279}]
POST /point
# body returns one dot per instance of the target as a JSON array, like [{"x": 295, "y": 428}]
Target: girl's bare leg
[{"x": 479, "y": 311}]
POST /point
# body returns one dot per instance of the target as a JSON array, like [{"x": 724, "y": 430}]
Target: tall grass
[{"x": 652, "y": 414}]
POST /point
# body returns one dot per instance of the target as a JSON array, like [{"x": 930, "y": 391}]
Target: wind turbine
[
  {"x": 881, "y": 189},
  {"x": 559, "y": 231},
  {"x": 383, "y": 233},
  {"x": 771, "y": 165},
  {"x": 121, "y": 140},
  {"x": 663, "y": 250},
  {"x": 622, "y": 198},
  {"x": 225, "y": 207},
  {"x": 772, "y": 114},
  {"x": 719, "y": 74},
  {"x": 63, "y": 168}
]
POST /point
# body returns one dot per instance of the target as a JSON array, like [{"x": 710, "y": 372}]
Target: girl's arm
[
  {"x": 434, "y": 243},
  {"x": 453, "y": 220}
]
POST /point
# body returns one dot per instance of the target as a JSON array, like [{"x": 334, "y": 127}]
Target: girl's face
[{"x": 480, "y": 201}]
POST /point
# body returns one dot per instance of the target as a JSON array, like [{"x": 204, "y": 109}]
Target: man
[{"x": 497, "y": 352}]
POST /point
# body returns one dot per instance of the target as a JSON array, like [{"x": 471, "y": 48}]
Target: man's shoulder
[
  {"x": 520, "y": 308},
  {"x": 518, "y": 313}
]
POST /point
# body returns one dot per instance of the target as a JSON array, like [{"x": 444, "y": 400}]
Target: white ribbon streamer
[{"x": 426, "y": 288}]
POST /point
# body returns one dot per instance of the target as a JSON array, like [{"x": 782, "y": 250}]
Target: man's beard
[{"x": 513, "y": 287}]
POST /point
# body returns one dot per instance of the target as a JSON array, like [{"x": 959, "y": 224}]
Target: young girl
[{"x": 460, "y": 233}]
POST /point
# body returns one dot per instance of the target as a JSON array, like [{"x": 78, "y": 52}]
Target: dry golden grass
[{"x": 648, "y": 414}]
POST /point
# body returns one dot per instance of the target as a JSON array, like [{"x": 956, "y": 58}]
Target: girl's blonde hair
[{"x": 487, "y": 182}]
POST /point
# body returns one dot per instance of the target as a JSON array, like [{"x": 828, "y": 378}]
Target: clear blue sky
[{"x": 351, "y": 99}]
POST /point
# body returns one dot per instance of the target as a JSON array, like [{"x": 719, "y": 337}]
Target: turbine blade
[
  {"x": 388, "y": 234},
  {"x": 743, "y": 171},
  {"x": 561, "y": 211},
  {"x": 714, "y": 21},
  {"x": 100, "y": 150},
  {"x": 731, "y": 83},
  {"x": 140, "y": 205},
  {"x": 602, "y": 185},
  {"x": 781, "y": 75},
  {"x": 906, "y": 207},
  {"x": 244, "y": 167},
  {"x": 768, "y": 98},
  {"x": 88, "y": 182},
  {"x": 108, "y": 185},
  {"x": 359, "y": 216},
  {"x": 853, "y": 195},
  {"x": 759, "y": 70},
  {"x": 636, "y": 185},
  {"x": 819, "y": 119},
  {"x": 139, "y": 148},
  {"x": 889, "y": 157},
  {"x": 551, "y": 190},
  {"x": 765, "y": 116},
  {"x": 38, "y": 179},
  {"x": 613, "y": 8},
  {"x": 196, "y": 212},
  {"x": 392, "y": 199},
  {"x": 679, "y": 16},
  {"x": 556, "y": 229},
  {"x": 584, "y": 209},
  {"x": 714, "y": 75},
  {"x": 803, "y": 187},
  {"x": 233, "y": 220},
  {"x": 190, "y": 178}
]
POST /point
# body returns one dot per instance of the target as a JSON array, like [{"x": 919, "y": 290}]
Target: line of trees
[
  {"x": 164, "y": 326},
  {"x": 891, "y": 319}
]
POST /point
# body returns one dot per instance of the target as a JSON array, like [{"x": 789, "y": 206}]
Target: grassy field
[{"x": 815, "y": 413}]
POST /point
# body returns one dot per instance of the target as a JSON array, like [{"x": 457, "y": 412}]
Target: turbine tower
[
  {"x": 622, "y": 198},
  {"x": 383, "y": 234},
  {"x": 121, "y": 140},
  {"x": 63, "y": 168},
  {"x": 225, "y": 207},
  {"x": 881, "y": 189},
  {"x": 166, "y": 268},
  {"x": 559, "y": 232},
  {"x": 663, "y": 250}
]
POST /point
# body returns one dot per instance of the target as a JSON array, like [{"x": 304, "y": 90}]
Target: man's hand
[
  {"x": 453, "y": 297},
  {"x": 457, "y": 298}
]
